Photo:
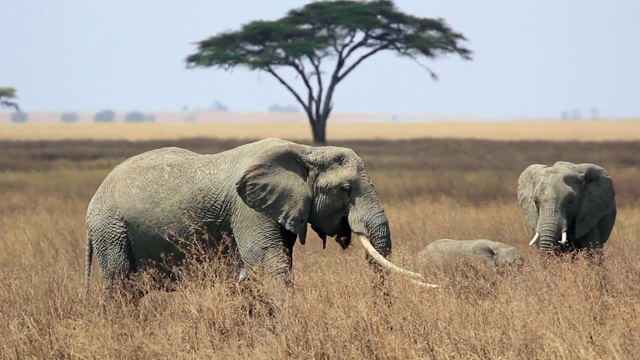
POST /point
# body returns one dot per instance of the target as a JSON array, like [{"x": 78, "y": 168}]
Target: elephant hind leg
[{"x": 110, "y": 242}]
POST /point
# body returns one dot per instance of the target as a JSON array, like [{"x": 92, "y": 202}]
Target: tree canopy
[
  {"x": 6, "y": 96},
  {"x": 346, "y": 32},
  {"x": 105, "y": 116}
]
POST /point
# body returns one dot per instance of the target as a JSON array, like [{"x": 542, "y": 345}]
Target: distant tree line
[
  {"x": 109, "y": 116},
  {"x": 105, "y": 116},
  {"x": 132, "y": 116}
]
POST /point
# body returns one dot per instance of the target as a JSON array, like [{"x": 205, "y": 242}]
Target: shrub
[
  {"x": 19, "y": 117},
  {"x": 135, "y": 116},
  {"x": 69, "y": 117},
  {"x": 105, "y": 116},
  {"x": 218, "y": 106}
]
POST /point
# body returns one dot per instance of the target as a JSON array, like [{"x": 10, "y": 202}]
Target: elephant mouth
[
  {"x": 343, "y": 236},
  {"x": 343, "y": 240}
]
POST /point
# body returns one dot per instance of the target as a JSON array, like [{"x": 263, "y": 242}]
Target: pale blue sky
[{"x": 531, "y": 58}]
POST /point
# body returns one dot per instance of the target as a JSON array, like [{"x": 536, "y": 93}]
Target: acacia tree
[
  {"x": 6, "y": 94},
  {"x": 345, "y": 32}
]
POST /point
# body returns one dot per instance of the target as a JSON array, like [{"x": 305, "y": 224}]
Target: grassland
[
  {"x": 344, "y": 128},
  {"x": 431, "y": 188}
]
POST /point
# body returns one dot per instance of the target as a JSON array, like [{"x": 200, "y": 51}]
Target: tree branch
[
  {"x": 352, "y": 37},
  {"x": 326, "y": 107},
  {"x": 433, "y": 75},
  {"x": 301, "y": 71},
  {"x": 335, "y": 77},
  {"x": 340, "y": 52},
  {"x": 358, "y": 45},
  {"x": 7, "y": 103},
  {"x": 307, "y": 109},
  {"x": 361, "y": 59}
]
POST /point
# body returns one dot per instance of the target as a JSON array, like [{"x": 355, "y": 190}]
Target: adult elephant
[
  {"x": 568, "y": 206},
  {"x": 263, "y": 194}
]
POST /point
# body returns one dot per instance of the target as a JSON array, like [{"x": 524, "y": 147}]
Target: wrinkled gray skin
[
  {"x": 490, "y": 253},
  {"x": 263, "y": 194},
  {"x": 578, "y": 199}
]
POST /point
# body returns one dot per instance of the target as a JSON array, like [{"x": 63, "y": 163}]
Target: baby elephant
[{"x": 491, "y": 253}]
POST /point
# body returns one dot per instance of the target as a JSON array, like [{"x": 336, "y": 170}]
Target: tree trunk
[{"x": 319, "y": 129}]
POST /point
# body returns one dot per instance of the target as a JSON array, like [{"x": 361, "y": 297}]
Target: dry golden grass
[
  {"x": 430, "y": 188},
  {"x": 550, "y": 130}
]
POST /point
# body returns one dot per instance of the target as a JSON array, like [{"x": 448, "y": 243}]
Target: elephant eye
[{"x": 346, "y": 188}]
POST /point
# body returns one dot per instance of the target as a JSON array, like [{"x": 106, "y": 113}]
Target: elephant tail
[{"x": 89, "y": 260}]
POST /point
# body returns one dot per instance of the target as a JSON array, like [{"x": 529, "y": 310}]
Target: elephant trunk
[
  {"x": 379, "y": 235},
  {"x": 548, "y": 236},
  {"x": 552, "y": 228}
]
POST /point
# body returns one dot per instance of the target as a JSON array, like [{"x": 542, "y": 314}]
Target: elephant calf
[{"x": 487, "y": 252}]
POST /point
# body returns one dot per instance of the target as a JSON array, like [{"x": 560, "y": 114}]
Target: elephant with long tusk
[{"x": 263, "y": 194}]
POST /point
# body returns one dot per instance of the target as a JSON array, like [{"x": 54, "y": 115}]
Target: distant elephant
[
  {"x": 489, "y": 253},
  {"x": 262, "y": 194},
  {"x": 568, "y": 207}
]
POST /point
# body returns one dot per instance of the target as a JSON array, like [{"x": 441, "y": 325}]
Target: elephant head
[
  {"x": 506, "y": 255},
  {"x": 567, "y": 204},
  {"x": 326, "y": 187}
]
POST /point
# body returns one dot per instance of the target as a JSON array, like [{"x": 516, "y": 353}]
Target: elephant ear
[
  {"x": 487, "y": 252},
  {"x": 598, "y": 198},
  {"x": 274, "y": 183},
  {"x": 527, "y": 183}
]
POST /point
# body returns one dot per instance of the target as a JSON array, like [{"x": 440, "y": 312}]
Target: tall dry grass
[
  {"x": 430, "y": 189},
  {"x": 340, "y": 127}
]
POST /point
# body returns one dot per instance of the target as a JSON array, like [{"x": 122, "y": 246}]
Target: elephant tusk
[
  {"x": 420, "y": 283},
  {"x": 535, "y": 238},
  {"x": 243, "y": 274},
  {"x": 391, "y": 266},
  {"x": 564, "y": 238}
]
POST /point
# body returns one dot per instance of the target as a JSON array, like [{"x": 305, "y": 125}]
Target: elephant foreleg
[
  {"x": 592, "y": 243},
  {"x": 595, "y": 256},
  {"x": 277, "y": 261},
  {"x": 605, "y": 226},
  {"x": 268, "y": 259},
  {"x": 266, "y": 253}
]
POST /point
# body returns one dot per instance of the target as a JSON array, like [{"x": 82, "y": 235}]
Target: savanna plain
[{"x": 430, "y": 188}]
